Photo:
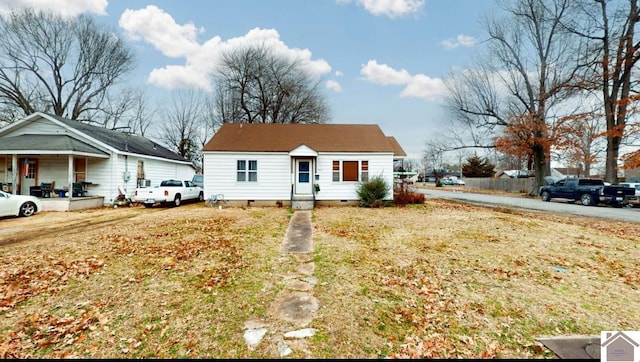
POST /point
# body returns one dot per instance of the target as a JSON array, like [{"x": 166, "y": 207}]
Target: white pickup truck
[{"x": 169, "y": 191}]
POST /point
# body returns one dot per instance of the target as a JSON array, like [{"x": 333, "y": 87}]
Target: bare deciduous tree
[
  {"x": 529, "y": 66},
  {"x": 255, "y": 84},
  {"x": 59, "y": 65},
  {"x": 183, "y": 122},
  {"x": 129, "y": 109},
  {"x": 612, "y": 56},
  {"x": 580, "y": 138}
]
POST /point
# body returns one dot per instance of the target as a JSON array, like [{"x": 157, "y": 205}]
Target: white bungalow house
[
  {"x": 46, "y": 156},
  {"x": 298, "y": 165}
]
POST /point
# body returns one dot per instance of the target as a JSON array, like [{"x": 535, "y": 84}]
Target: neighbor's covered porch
[
  {"x": 45, "y": 176},
  {"x": 51, "y": 169},
  {"x": 50, "y": 177}
]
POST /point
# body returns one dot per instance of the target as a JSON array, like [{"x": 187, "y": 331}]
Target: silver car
[
  {"x": 18, "y": 205},
  {"x": 198, "y": 180}
]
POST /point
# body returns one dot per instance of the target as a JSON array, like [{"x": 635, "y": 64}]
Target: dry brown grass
[{"x": 436, "y": 280}]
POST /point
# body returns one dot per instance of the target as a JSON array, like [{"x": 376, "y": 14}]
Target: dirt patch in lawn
[{"x": 439, "y": 280}]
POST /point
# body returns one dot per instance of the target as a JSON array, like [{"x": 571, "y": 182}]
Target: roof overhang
[
  {"x": 40, "y": 144},
  {"x": 303, "y": 151}
]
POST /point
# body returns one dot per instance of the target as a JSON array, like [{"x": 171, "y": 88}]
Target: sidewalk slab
[{"x": 298, "y": 238}]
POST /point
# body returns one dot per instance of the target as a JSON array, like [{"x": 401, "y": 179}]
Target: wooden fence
[{"x": 501, "y": 184}]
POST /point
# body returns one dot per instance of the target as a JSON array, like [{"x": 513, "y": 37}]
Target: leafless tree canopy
[
  {"x": 614, "y": 50},
  {"x": 528, "y": 68},
  {"x": 254, "y": 84},
  {"x": 59, "y": 65},
  {"x": 128, "y": 108},
  {"x": 182, "y": 123}
]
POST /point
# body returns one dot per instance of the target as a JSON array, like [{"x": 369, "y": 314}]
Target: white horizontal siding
[
  {"x": 274, "y": 176},
  {"x": 157, "y": 170},
  {"x": 108, "y": 174},
  {"x": 38, "y": 126},
  {"x": 380, "y": 164},
  {"x": 53, "y": 168}
]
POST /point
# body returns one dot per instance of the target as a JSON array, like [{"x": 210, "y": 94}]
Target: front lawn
[{"x": 439, "y": 280}]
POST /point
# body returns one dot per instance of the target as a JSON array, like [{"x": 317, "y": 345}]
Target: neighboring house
[
  {"x": 566, "y": 172},
  {"x": 631, "y": 174},
  {"x": 297, "y": 164},
  {"x": 43, "y": 149},
  {"x": 514, "y": 174}
]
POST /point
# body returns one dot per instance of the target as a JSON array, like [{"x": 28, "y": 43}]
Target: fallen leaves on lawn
[
  {"x": 24, "y": 278},
  {"x": 42, "y": 331},
  {"x": 166, "y": 246}
]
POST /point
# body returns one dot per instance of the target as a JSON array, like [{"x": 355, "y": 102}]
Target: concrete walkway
[{"x": 287, "y": 328}]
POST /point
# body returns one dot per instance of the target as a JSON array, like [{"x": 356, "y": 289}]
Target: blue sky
[{"x": 381, "y": 61}]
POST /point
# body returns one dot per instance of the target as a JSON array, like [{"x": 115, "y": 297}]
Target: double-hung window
[
  {"x": 364, "y": 171},
  {"x": 247, "y": 170}
]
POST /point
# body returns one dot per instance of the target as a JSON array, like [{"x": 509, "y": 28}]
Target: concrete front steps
[{"x": 302, "y": 203}]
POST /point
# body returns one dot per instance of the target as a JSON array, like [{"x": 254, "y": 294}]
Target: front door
[
  {"x": 27, "y": 175},
  {"x": 303, "y": 177}
]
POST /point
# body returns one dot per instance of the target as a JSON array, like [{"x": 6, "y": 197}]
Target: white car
[
  {"x": 18, "y": 205},
  {"x": 635, "y": 185}
]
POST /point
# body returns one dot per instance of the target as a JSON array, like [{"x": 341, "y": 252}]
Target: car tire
[
  {"x": 545, "y": 196},
  {"x": 148, "y": 205},
  {"x": 586, "y": 199},
  {"x": 27, "y": 209},
  {"x": 177, "y": 201},
  {"x": 201, "y": 197}
]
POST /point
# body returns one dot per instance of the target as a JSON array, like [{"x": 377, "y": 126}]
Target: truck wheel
[
  {"x": 177, "y": 201},
  {"x": 545, "y": 196},
  {"x": 148, "y": 205},
  {"x": 201, "y": 197},
  {"x": 586, "y": 199}
]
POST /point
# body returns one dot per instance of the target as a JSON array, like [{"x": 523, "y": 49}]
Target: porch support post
[
  {"x": 14, "y": 174},
  {"x": 70, "y": 176}
]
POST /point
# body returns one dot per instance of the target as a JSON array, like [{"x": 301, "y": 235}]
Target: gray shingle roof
[
  {"x": 122, "y": 141},
  {"x": 47, "y": 143}
]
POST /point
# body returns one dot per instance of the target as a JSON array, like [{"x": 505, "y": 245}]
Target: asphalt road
[{"x": 556, "y": 205}]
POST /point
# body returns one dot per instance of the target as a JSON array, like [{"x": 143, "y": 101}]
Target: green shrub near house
[{"x": 373, "y": 192}]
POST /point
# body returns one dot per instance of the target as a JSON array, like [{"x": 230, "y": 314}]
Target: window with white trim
[
  {"x": 352, "y": 171},
  {"x": 247, "y": 171},
  {"x": 364, "y": 171}
]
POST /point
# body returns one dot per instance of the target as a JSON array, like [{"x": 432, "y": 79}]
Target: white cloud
[
  {"x": 460, "y": 40},
  {"x": 159, "y": 29},
  {"x": 64, "y": 7},
  {"x": 334, "y": 86},
  {"x": 416, "y": 86},
  {"x": 389, "y": 8},
  {"x": 384, "y": 74}
]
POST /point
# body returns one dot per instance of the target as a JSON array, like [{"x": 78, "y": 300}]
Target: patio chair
[
  {"x": 46, "y": 189},
  {"x": 77, "y": 190}
]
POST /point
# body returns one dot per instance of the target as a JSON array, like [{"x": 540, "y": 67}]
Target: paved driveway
[{"x": 563, "y": 207}]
